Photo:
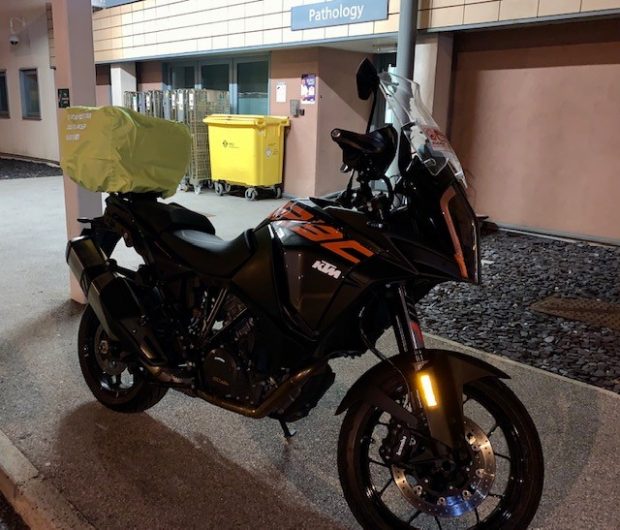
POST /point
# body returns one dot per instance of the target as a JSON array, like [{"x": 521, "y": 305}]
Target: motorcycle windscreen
[{"x": 463, "y": 228}]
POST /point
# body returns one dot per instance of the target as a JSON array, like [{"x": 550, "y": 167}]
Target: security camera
[{"x": 14, "y": 40}]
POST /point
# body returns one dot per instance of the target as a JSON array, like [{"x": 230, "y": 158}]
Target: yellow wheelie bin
[{"x": 248, "y": 151}]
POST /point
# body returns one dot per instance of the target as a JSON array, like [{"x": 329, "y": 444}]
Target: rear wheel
[
  {"x": 499, "y": 488},
  {"x": 119, "y": 385}
]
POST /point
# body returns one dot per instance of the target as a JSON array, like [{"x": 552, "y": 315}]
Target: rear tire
[
  {"x": 519, "y": 502},
  {"x": 109, "y": 388}
]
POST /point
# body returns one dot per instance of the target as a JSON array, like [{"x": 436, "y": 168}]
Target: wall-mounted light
[{"x": 16, "y": 24}]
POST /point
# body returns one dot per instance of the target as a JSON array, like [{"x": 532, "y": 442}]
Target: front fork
[{"x": 430, "y": 380}]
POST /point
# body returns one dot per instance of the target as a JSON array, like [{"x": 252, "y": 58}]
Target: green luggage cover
[{"x": 117, "y": 150}]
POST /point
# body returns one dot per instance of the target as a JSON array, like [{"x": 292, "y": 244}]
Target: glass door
[
  {"x": 215, "y": 76},
  {"x": 252, "y": 86}
]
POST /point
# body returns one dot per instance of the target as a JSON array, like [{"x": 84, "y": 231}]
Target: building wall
[
  {"x": 150, "y": 75},
  {"x": 300, "y": 159},
  {"x": 153, "y": 28},
  {"x": 104, "y": 85},
  {"x": 30, "y": 138},
  {"x": 339, "y": 107},
  {"x": 436, "y": 14},
  {"x": 535, "y": 122}
]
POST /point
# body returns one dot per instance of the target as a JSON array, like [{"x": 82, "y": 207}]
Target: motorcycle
[{"x": 430, "y": 437}]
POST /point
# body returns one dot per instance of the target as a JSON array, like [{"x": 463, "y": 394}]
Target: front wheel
[
  {"x": 499, "y": 488},
  {"x": 119, "y": 385}
]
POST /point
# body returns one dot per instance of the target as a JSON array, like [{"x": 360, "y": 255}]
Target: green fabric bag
[{"x": 113, "y": 149}]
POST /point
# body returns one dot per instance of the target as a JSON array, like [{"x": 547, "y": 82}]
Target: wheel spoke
[
  {"x": 492, "y": 431},
  {"x": 496, "y": 495},
  {"x": 386, "y": 486},
  {"x": 414, "y": 517},
  {"x": 438, "y": 523},
  {"x": 477, "y": 515},
  {"x": 377, "y": 463},
  {"x": 500, "y": 455}
]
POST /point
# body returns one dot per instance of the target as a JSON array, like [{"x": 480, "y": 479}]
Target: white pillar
[
  {"x": 123, "y": 79},
  {"x": 75, "y": 70},
  {"x": 433, "y": 72}
]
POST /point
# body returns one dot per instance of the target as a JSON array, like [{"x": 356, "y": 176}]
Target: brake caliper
[{"x": 399, "y": 446}]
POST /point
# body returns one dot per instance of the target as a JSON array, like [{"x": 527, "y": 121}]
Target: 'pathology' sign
[{"x": 338, "y": 12}]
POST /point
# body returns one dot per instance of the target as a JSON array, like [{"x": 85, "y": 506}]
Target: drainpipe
[{"x": 407, "y": 36}]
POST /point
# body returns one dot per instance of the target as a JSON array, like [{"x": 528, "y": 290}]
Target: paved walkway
[{"x": 187, "y": 464}]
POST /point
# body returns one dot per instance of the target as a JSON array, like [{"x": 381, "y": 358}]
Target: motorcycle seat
[
  {"x": 161, "y": 217},
  {"x": 208, "y": 254}
]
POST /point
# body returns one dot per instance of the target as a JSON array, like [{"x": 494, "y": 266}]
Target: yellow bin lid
[{"x": 246, "y": 120}]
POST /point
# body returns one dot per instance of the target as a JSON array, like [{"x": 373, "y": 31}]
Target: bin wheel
[
  {"x": 227, "y": 187},
  {"x": 209, "y": 184},
  {"x": 183, "y": 186},
  {"x": 219, "y": 188},
  {"x": 197, "y": 189},
  {"x": 251, "y": 194},
  {"x": 277, "y": 190}
]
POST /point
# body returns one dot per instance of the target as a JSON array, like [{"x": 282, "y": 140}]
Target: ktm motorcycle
[{"x": 431, "y": 438}]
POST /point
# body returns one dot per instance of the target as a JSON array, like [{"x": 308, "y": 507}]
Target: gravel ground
[
  {"x": 519, "y": 270},
  {"x": 19, "y": 169},
  {"x": 9, "y": 520}
]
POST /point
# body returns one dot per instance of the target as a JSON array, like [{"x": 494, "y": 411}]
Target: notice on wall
[
  {"x": 64, "y": 101},
  {"x": 308, "y": 89},
  {"x": 280, "y": 92}
]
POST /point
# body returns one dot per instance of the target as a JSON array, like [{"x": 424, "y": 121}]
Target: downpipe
[{"x": 117, "y": 307}]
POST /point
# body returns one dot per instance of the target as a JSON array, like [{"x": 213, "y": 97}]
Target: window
[
  {"x": 31, "y": 107},
  {"x": 4, "y": 96}
]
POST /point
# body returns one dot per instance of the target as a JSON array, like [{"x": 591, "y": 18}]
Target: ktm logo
[
  {"x": 327, "y": 268},
  {"x": 320, "y": 232}
]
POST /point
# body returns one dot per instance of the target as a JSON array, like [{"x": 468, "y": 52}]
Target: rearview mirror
[{"x": 367, "y": 79}]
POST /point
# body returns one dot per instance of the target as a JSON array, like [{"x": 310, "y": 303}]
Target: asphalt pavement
[{"x": 187, "y": 464}]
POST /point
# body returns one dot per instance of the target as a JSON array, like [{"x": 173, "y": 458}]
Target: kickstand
[{"x": 288, "y": 433}]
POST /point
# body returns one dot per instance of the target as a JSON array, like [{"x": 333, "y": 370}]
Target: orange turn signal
[{"x": 427, "y": 390}]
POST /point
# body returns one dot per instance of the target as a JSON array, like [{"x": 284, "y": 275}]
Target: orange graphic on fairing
[{"x": 329, "y": 237}]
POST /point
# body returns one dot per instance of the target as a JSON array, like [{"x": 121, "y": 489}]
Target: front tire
[
  {"x": 120, "y": 386},
  {"x": 359, "y": 462}
]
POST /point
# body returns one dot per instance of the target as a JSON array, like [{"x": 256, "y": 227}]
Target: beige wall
[
  {"x": 447, "y": 13},
  {"x": 312, "y": 160},
  {"x": 535, "y": 122},
  {"x": 31, "y": 138},
  {"x": 153, "y": 28},
  {"x": 300, "y": 159},
  {"x": 339, "y": 107}
]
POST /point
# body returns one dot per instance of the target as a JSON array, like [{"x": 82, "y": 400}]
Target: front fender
[{"x": 451, "y": 370}]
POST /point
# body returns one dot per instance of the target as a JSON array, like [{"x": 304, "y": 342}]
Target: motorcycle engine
[{"x": 228, "y": 371}]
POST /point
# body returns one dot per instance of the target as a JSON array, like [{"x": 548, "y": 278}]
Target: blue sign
[
  {"x": 103, "y": 4},
  {"x": 338, "y": 12}
]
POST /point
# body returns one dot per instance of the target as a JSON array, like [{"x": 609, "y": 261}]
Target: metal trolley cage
[{"x": 189, "y": 106}]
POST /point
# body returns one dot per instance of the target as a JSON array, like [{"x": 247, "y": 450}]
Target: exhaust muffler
[{"x": 119, "y": 311}]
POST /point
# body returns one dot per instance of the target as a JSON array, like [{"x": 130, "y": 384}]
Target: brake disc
[{"x": 456, "y": 499}]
